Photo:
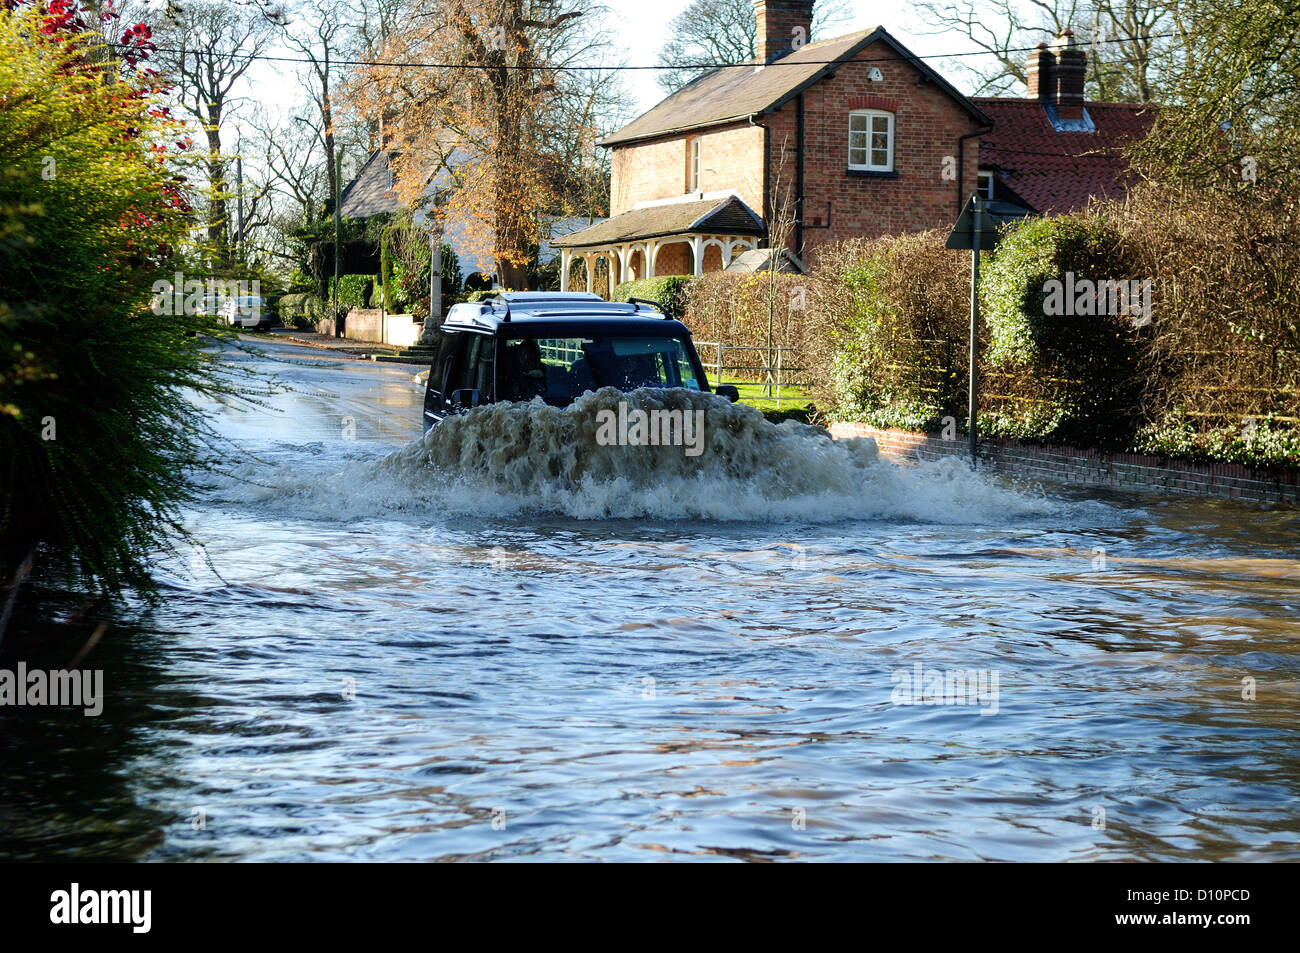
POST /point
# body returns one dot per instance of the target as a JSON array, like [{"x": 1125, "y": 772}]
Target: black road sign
[{"x": 992, "y": 215}]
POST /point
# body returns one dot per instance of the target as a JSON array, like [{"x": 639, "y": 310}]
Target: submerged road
[{"x": 375, "y": 659}]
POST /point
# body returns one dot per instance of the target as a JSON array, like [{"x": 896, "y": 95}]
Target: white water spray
[{"x": 513, "y": 457}]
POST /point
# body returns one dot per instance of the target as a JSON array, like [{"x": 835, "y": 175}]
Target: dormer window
[
  {"x": 871, "y": 140},
  {"x": 693, "y": 164},
  {"x": 985, "y": 186}
]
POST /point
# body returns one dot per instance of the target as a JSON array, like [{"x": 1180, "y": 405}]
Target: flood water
[{"x": 486, "y": 647}]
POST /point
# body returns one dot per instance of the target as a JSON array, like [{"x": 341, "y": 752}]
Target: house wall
[
  {"x": 731, "y": 157},
  {"x": 675, "y": 259},
  {"x": 927, "y": 124}
]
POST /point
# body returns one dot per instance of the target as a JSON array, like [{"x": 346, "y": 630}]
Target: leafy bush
[
  {"x": 1214, "y": 375},
  {"x": 897, "y": 311},
  {"x": 1224, "y": 342},
  {"x": 99, "y": 443},
  {"x": 296, "y": 311},
  {"x": 354, "y": 291},
  {"x": 738, "y": 309},
  {"x": 733, "y": 307},
  {"x": 483, "y": 293},
  {"x": 1262, "y": 443},
  {"x": 667, "y": 292},
  {"x": 321, "y": 309},
  {"x": 404, "y": 265},
  {"x": 1062, "y": 377}
]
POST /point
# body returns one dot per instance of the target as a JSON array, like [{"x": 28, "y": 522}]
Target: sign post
[
  {"x": 977, "y": 229},
  {"x": 974, "y": 323}
]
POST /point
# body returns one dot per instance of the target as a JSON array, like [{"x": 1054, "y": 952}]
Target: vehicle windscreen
[{"x": 561, "y": 369}]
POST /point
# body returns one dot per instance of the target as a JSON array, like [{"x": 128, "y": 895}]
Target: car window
[
  {"x": 562, "y": 369},
  {"x": 448, "y": 343},
  {"x": 473, "y": 371}
]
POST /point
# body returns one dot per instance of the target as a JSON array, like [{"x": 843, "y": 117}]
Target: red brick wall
[
  {"x": 927, "y": 124},
  {"x": 731, "y": 157},
  {"x": 675, "y": 259},
  {"x": 1028, "y": 461}
]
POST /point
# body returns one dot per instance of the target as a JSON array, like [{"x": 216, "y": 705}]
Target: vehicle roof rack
[{"x": 637, "y": 302}]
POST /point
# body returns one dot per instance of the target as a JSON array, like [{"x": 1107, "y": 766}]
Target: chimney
[
  {"x": 783, "y": 26},
  {"x": 1068, "y": 76},
  {"x": 1038, "y": 71}
]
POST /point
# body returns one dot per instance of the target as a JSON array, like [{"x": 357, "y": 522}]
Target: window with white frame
[
  {"x": 871, "y": 140},
  {"x": 693, "y": 166},
  {"x": 986, "y": 185}
]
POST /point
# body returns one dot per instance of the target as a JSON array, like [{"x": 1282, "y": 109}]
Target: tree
[
  {"x": 483, "y": 105},
  {"x": 318, "y": 32},
  {"x": 205, "y": 49},
  {"x": 98, "y": 437},
  {"x": 1232, "y": 120},
  {"x": 1124, "y": 39},
  {"x": 711, "y": 32}
]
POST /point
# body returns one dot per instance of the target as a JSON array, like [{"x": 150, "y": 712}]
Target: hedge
[
  {"x": 667, "y": 292},
  {"x": 101, "y": 448},
  {"x": 354, "y": 291},
  {"x": 894, "y": 312},
  {"x": 1211, "y": 372},
  {"x": 1056, "y": 369}
]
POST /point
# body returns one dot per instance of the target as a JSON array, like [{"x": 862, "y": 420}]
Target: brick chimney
[
  {"x": 1068, "y": 76},
  {"x": 783, "y": 26},
  {"x": 1038, "y": 71}
]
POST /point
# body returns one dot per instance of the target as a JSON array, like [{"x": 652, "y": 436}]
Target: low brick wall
[{"x": 1028, "y": 461}]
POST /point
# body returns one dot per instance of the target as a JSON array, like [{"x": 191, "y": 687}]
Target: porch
[{"x": 670, "y": 238}]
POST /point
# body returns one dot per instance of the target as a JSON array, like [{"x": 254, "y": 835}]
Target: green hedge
[
  {"x": 1061, "y": 377},
  {"x": 668, "y": 292},
  {"x": 897, "y": 310},
  {"x": 483, "y": 293},
  {"x": 1205, "y": 367},
  {"x": 354, "y": 291},
  {"x": 302, "y": 311}
]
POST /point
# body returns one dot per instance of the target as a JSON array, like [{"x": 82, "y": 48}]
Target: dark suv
[{"x": 556, "y": 346}]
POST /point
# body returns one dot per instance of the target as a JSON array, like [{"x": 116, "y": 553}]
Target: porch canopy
[{"x": 668, "y": 238}]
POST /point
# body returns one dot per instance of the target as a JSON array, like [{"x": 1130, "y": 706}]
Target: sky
[
  {"x": 640, "y": 27},
  {"x": 645, "y": 25}
]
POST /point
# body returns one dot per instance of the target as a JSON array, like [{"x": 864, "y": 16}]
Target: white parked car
[
  {"x": 211, "y": 306},
  {"x": 245, "y": 311}
]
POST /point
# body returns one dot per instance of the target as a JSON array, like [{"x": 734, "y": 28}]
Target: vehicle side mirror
[
  {"x": 728, "y": 391},
  {"x": 464, "y": 399}
]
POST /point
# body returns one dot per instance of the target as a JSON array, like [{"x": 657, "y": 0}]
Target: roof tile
[{"x": 1055, "y": 172}]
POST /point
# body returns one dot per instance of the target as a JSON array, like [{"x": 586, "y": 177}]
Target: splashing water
[{"x": 514, "y": 457}]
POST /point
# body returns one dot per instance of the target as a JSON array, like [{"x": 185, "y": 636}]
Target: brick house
[
  {"x": 848, "y": 137},
  {"x": 844, "y": 137}
]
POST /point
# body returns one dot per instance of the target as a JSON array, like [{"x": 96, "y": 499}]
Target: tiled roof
[
  {"x": 368, "y": 193},
  {"x": 728, "y": 216},
  {"x": 1054, "y": 172},
  {"x": 736, "y": 92}
]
